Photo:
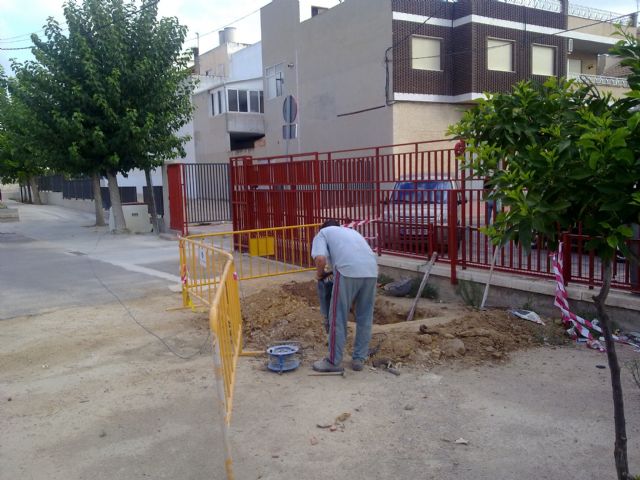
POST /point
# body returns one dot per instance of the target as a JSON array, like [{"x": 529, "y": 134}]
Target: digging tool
[
  {"x": 325, "y": 287},
  {"x": 327, "y": 374},
  {"x": 486, "y": 287},
  {"x": 385, "y": 364},
  {"x": 423, "y": 283}
]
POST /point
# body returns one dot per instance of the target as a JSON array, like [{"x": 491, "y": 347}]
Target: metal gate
[{"x": 198, "y": 194}]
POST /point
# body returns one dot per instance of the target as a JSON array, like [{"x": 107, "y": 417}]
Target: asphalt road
[{"x": 53, "y": 257}]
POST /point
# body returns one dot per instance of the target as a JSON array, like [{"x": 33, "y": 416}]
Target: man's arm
[{"x": 321, "y": 262}]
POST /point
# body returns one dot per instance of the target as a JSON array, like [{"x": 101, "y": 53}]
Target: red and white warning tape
[
  {"x": 358, "y": 223},
  {"x": 578, "y": 325},
  {"x": 184, "y": 275}
]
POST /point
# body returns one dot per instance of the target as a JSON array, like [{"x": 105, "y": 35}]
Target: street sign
[{"x": 290, "y": 109}]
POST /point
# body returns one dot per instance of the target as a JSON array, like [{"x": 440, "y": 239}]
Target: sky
[{"x": 19, "y": 18}]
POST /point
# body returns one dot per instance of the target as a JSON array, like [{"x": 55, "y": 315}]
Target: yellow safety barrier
[
  {"x": 211, "y": 266},
  {"x": 257, "y": 253},
  {"x": 225, "y": 321}
]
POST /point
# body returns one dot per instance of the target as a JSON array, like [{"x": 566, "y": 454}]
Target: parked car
[{"x": 418, "y": 208}]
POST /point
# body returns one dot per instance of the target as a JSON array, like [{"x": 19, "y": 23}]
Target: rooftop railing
[
  {"x": 600, "y": 15},
  {"x": 600, "y": 80},
  {"x": 548, "y": 5},
  {"x": 576, "y": 11}
]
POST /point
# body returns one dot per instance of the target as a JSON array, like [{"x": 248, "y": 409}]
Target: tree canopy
[
  {"x": 21, "y": 154},
  {"x": 559, "y": 154},
  {"x": 562, "y": 155},
  {"x": 113, "y": 91}
]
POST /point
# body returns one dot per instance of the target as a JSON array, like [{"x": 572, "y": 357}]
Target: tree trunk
[
  {"x": 152, "y": 205},
  {"x": 620, "y": 448},
  {"x": 97, "y": 200},
  {"x": 119, "y": 222},
  {"x": 35, "y": 191}
]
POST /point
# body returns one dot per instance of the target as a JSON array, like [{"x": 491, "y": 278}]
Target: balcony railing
[
  {"x": 599, "y": 15},
  {"x": 548, "y": 5},
  {"x": 576, "y": 11},
  {"x": 600, "y": 80}
]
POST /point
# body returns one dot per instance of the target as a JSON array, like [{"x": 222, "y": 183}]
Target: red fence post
[
  {"x": 177, "y": 205},
  {"x": 185, "y": 197},
  {"x": 378, "y": 203},
  {"x": 452, "y": 215},
  {"x": 566, "y": 261}
]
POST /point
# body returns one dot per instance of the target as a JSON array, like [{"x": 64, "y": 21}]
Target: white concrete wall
[
  {"x": 55, "y": 198},
  {"x": 189, "y": 146},
  {"x": 334, "y": 67},
  {"x": 246, "y": 63},
  {"x": 305, "y": 7}
]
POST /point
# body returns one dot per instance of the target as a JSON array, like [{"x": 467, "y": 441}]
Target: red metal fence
[
  {"x": 416, "y": 198},
  {"x": 198, "y": 194}
]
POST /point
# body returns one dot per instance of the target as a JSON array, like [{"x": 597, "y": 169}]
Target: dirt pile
[{"x": 442, "y": 332}]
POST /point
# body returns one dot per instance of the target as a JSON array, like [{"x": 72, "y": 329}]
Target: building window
[
  {"x": 245, "y": 101},
  {"x": 425, "y": 53},
  {"x": 543, "y": 60},
  {"x": 233, "y": 100},
  {"x": 499, "y": 55},
  {"x": 217, "y": 107},
  {"x": 275, "y": 80},
  {"x": 574, "y": 65},
  {"x": 254, "y": 101},
  {"x": 317, "y": 10}
]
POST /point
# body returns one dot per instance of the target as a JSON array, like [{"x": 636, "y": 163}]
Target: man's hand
[{"x": 321, "y": 263}]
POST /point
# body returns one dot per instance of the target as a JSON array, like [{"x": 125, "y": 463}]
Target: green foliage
[
  {"x": 21, "y": 153},
  {"x": 429, "y": 291},
  {"x": 383, "y": 279},
  {"x": 470, "y": 292},
  {"x": 113, "y": 92},
  {"x": 559, "y": 154}
]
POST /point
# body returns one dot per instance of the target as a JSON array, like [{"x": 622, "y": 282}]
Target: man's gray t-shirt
[{"x": 347, "y": 251}]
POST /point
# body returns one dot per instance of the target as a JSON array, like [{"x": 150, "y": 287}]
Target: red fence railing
[{"x": 418, "y": 198}]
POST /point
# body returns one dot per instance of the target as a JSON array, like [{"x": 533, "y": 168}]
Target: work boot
[
  {"x": 325, "y": 365},
  {"x": 357, "y": 364}
]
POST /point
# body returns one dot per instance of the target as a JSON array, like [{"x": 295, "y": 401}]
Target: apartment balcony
[
  {"x": 244, "y": 129},
  {"x": 245, "y": 123}
]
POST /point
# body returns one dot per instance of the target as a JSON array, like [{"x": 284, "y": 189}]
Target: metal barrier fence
[
  {"x": 257, "y": 253},
  {"x": 211, "y": 266},
  {"x": 225, "y": 320},
  {"x": 51, "y": 183},
  {"x": 417, "y": 197},
  {"x": 198, "y": 193},
  {"x": 82, "y": 189}
]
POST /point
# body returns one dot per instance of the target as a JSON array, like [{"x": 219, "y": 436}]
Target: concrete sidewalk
[
  {"x": 511, "y": 291},
  {"x": 55, "y": 257},
  {"x": 75, "y": 232}
]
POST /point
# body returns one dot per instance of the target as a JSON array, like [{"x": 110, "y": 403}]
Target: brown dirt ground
[{"x": 290, "y": 313}]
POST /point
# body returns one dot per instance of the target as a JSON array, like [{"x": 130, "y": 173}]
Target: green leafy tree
[
  {"x": 559, "y": 155},
  {"x": 22, "y": 156},
  {"x": 115, "y": 89}
]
